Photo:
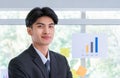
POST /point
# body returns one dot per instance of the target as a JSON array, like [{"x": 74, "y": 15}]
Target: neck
[{"x": 42, "y": 48}]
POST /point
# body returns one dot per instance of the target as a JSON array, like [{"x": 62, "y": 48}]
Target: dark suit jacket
[{"x": 29, "y": 65}]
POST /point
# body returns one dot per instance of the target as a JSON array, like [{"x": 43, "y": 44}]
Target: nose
[{"x": 46, "y": 30}]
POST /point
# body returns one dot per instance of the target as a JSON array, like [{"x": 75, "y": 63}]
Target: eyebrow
[
  {"x": 40, "y": 23},
  {"x": 44, "y": 24}
]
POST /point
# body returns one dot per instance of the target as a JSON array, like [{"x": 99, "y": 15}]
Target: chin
[{"x": 46, "y": 43}]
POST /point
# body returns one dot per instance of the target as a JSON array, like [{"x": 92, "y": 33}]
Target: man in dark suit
[{"x": 38, "y": 61}]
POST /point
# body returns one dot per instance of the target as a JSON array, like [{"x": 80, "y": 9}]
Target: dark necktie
[{"x": 47, "y": 65}]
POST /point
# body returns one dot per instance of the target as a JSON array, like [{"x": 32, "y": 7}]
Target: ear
[{"x": 29, "y": 30}]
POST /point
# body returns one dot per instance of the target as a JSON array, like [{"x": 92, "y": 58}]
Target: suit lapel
[
  {"x": 41, "y": 66},
  {"x": 53, "y": 64},
  {"x": 37, "y": 60}
]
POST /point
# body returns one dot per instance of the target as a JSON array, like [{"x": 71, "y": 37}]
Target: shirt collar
[{"x": 44, "y": 59}]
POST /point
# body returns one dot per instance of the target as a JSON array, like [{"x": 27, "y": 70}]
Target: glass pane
[
  {"x": 13, "y": 39},
  {"x": 69, "y": 14},
  {"x": 13, "y": 14},
  {"x": 22, "y": 14},
  {"x": 106, "y": 67},
  {"x": 103, "y": 14},
  {"x": 63, "y": 35}
]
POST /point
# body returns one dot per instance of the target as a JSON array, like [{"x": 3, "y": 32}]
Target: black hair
[{"x": 37, "y": 12}]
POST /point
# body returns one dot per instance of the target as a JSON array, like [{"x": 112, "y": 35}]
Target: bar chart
[
  {"x": 89, "y": 45},
  {"x": 93, "y": 46}
]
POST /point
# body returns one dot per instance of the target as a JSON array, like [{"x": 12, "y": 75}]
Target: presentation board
[{"x": 89, "y": 45}]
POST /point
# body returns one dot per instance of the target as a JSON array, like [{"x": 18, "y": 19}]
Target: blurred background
[{"x": 80, "y": 16}]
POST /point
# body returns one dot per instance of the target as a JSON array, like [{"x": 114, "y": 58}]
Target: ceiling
[{"x": 57, "y": 4}]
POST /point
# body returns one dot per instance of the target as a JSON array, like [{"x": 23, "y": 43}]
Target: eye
[
  {"x": 51, "y": 26},
  {"x": 40, "y": 26}
]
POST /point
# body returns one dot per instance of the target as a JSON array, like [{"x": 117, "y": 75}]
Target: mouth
[{"x": 46, "y": 37}]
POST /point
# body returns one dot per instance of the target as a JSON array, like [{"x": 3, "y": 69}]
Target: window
[{"x": 15, "y": 35}]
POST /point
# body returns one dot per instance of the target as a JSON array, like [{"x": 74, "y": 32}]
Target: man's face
[{"x": 42, "y": 31}]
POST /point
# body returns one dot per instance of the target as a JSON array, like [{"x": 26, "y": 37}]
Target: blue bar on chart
[
  {"x": 96, "y": 44},
  {"x": 91, "y": 47}
]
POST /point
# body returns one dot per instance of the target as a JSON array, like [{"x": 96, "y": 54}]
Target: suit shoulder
[
  {"x": 58, "y": 55},
  {"x": 21, "y": 57}
]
